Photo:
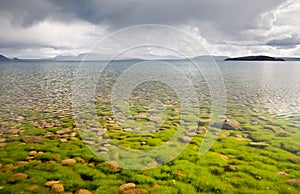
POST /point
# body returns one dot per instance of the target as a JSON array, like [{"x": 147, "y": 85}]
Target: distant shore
[
  {"x": 161, "y": 58},
  {"x": 255, "y": 58}
]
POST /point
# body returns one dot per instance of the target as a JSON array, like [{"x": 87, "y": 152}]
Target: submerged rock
[
  {"x": 127, "y": 186},
  {"x": 17, "y": 177},
  {"x": 204, "y": 122},
  {"x": 191, "y": 134},
  {"x": 29, "y": 158},
  {"x": 7, "y": 167},
  {"x": 128, "y": 130},
  {"x": 230, "y": 168},
  {"x": 83, "y": 191},
  {"x": 31, "y": 188},
  {"x": 200, "y": 130},
  {"x": 185, "y": 139},
  {"x": 155, "y": 185},
  {"x": 51, "y": 183},
  {"x": 32, "y": 139},
  {"x": 14, "y": 131},
  {"x": 227, "y": 124},
  {"x": 270, "y": 127},
  {"x": 281, "y": 173},
  {"x": 68, "y": 162},
  {"x": 294, "y": 182},
  {"x": 152, "y": 164},
  {"x": 253, "y": 123},
  {"x": 113, "y": 165},
  {"x": 143, "y": 143},
  {"x": 259, "y": 144},
  {"x": 57, "y": 188},
  {"x": 2, "y": 145},
  {"x": 64, "y": 131},
  {"x": 103, "y": 149},
  {"x": 294, "y": 160},
  {"x": 32, "y": 153},
  {"x": 63, "y": 140}
]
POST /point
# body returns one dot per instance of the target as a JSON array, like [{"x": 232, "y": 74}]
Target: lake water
[{"x": 271, "y": 87}]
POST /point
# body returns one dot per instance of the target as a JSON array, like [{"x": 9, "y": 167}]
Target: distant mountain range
[
  {"x": 95, "y": 56},
  {"x": 73, "y": 57},
  {"x": 3, "y": 58}
]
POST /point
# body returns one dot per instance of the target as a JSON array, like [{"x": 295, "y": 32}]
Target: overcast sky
[{"x": 46, "y": 28}]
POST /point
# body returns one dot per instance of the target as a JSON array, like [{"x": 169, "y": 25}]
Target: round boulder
[
  {"x": 57, "y": 188},
  {"x": 68, "y": 162},
  {"x": 127, "y": 186},
  {"x": 227, "y": 124}
]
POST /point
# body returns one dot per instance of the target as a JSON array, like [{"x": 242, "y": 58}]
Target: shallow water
[{"x": 272, "y": 87}]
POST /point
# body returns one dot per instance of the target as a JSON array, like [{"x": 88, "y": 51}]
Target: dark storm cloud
[
  {"x": 218, "y": 22},
  {"x": 227, "y": 15},
  {"x": 287, "y": 42},
  {"x": 26, "y": 12}
]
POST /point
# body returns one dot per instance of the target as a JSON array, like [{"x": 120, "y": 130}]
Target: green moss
[
  {"x": 256, "y": 169},
  {"x": 164, "y": 190}
]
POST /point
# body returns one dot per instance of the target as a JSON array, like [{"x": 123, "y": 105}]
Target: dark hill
[
  {"x": 3, "y": 58},
  {"x": 255, "y": 58}
]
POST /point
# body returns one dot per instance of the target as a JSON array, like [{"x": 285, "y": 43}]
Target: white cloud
[{"x": 49, "y": 38}]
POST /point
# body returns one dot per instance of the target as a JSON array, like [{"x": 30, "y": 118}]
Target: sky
[{"x": 46, "y": 28}]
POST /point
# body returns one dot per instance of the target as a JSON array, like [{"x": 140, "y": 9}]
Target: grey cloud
[
  {"x": 26, "y": 45},
  {"x": 218, "y": 20},
  {"x": 226, "y": 15},
  {"x": 287, "y": 42},
  {"x": 26, "y": 12}
]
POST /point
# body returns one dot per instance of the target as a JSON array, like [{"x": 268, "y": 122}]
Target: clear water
[{"x": 273, "y": 87}]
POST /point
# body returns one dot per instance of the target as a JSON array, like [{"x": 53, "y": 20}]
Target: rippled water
[{"x": 273, "y": 87}]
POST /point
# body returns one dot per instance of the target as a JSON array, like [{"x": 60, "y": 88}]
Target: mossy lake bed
[{"x": 43, "y": 149}]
